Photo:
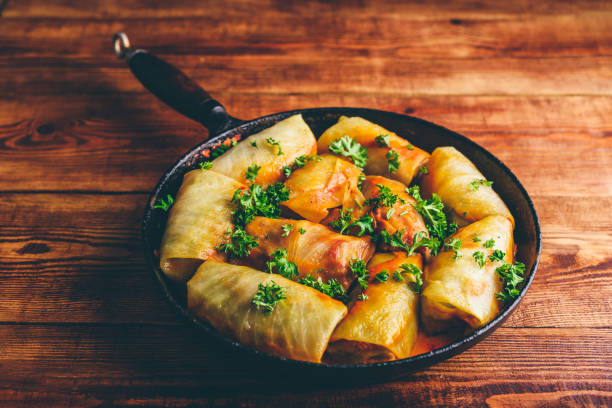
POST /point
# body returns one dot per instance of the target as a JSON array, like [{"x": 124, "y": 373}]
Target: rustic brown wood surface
[{"x": 82, "y": 323}]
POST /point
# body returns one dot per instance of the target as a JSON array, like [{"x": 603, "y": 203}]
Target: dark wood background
[{"x": 82, "y": 323}]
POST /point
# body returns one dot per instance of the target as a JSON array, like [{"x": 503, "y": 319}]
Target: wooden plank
[
  {"x": 341, "y": 32},
  {"x": 154, "y": 366},
  {"x": 124, "y": 142},
  {"x": 77, "y": 258},
  {"x": 403, "y": 76}
]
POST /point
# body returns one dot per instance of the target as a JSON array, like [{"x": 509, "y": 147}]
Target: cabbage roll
[
  {"x": 322, "y": 184},
  {"x": 315, "y": 249},
  {"x": 197, "y": 222},
  {"x": 459, "y": 289},
  {"x": 384, "y": 326},
  {"x": 298, "y": 328},
  {"x": 462, "y": 188},
  {"x": 295, "y": 139},
  {"x": 365, "y": 132},
  {"x": 399, "y": 217}
]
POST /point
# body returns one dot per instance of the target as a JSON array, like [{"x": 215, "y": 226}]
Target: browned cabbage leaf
[
  {"x": 295, "y": 138},
  {"x": 318, "y": 251},
  {"x": 298, "y": 328},
  {"x": 322, "y": 184},
  {"x": 365, "y": 132},
  {"x": 383, "y": 327},
  {"x": 403, "y": 217},
  {"x": 197, "y": 222},
  {"x": 459, "y": 289},
  {"x": 450, "y": 176}
]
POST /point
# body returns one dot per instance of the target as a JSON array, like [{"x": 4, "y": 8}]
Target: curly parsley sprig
[
  {"x": 268, "y": 296},
  {"x": 332, "y": 288},
  {"x": 349, "y": 147},
  {"x": 279, "y": 264},
  {"x": 345, "y": 223}
]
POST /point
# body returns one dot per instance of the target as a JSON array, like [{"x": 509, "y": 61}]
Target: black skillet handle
[{"x": 173, "y": 87}]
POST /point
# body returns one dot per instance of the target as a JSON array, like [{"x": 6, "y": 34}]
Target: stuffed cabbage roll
[
  {"x": 461, "y": 187},
  {"x": 323, "y": 184},
  {"x": 197, "y": 222},
  {"x": 384, "y": 326},
  {"x": 409, "y": 157},
  {"x": 291, "y": 137},
  {"x": 298, "y": 328},
  {"x": 401, "y": 216},
  {"x": 315, "y": 249},
  {"x": 462, "y": 287}
]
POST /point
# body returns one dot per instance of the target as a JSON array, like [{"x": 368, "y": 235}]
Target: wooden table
[{"x": 82, "y": 322}]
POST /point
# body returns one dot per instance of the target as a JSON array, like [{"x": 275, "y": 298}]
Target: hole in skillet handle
[{"x": 419, "y": 132}]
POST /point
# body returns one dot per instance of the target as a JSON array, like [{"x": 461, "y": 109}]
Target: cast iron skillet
[{"x": 181, "y": 93}]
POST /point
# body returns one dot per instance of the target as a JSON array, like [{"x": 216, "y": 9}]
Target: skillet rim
[{"x": 411, "y": 363}]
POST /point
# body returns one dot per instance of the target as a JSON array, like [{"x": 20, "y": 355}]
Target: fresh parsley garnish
[
  {"x": 281, "y": 265},
  {"x": 409, "y": 146},
  {"x": 385, "y": 198},
  {"x": 255, "y": 201},
  {"x": 345, "y": 223},
  {"x": 254, "y": 144},
  {"x": 476, "y": 237},
  {"x": 301, "y": 230},
  {"x": 423, "y": 170},
  {"x": 392, "y": 161},
  {"x": 511, "y": 275},
  {"x": 332, "y": 288},
  {"x": 382, "y": 140},
  {"x": 362, "y": 297},
  {"x": 489, "y": 243},
  {"x": 205, "y": 165},
  {"x": 268, "y": 296},
  {"x": 382, "y": 276},
  {"x": 287, "y": 228},
  {"x": 272, "y": 142},
  {"x": 164, "y": 205},
  {"x": 251, "y": 173},
  {"x": 240, "y": 244},
  {"x": 479, "y": 257},
  {"x": 359, "y": 269},
  {"x": 414, "y": 270},
  {"x": 432, "y": 211},
  {"x": 475, "y": 185},
  {"x": 297, "y": 164},
  {"x": 349, "y": 147},
  {"x": 222, "y": 148},
  {"x": 497, "y": 256},
  {"x": 453, "y": 244}
]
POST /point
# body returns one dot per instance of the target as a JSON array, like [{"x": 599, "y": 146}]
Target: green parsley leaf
[
  {"x": 382, "y": 276},
  {"x": 479, "y": 258},
  {"x": 512, "y": 276},
  {"x": 390, "y": 212},
  {"x": 281, "y": 265},
  {"x": 222, "y": 148},
  {"x": 286, "y": 229},
  {"x": 349, "y": 147},
  {"x": 497, "y": 256},
  {"x": 489, "y": 243},
  {"x": 205, "y": 165},
  {"x": 385, "y": 198},
  {"x": 453, "y": 244},
  {"x": 255, "y": 201},
  {"x": 268, "y": 296},
  {"x": 414, "y": 270},
  {"x": 359, "y": 269},
  {"x": 409, "y": 146},
  {"x": 474, "y": 185},
  {"x": 164, "y": 205},
  {"x": 240, "y": 244},
  {"x": 423, "y": 170},
  {"x": 421, "y": 239},
  {"x": 297, "y": 164},
  {"x": 332, "y": 288},
  {"x": 476, "y": 237},
  {"x": 301, "y": 230},
  {"x": 345, "y": 223},
  {"x": 432, "y": 211},
  {"x": 392, "y": 161},
  {"x": 251, "y": 173},
  {"x": 272, "y": 142},
  {"x": 362, "y": 297},
  {"x": 287, "y": 170},
  {"x": 382, "y": 140},
  {"x": 254, "y": 144}
]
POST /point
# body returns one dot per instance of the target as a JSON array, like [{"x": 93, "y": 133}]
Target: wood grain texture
[{"x": 82, "y": 322}]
